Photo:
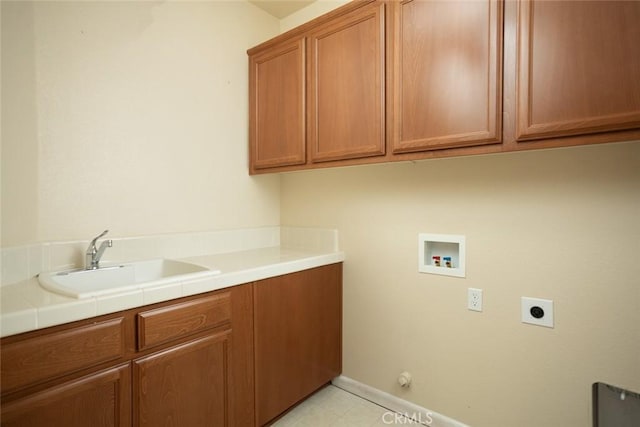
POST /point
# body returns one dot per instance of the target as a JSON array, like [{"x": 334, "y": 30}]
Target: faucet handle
[
  {"x": 101, "y": 234},
  {"x": 93, "y": 242}
]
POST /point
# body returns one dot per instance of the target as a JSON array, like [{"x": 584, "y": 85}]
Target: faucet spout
[
  {"x": 103, "y": 246},
  {"x": 93, "y": 254}
]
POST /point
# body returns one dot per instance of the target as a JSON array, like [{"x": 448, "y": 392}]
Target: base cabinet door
[
  {"x": 97, "y": 400},
  {"x": 298, "y": 337},
  {"x": 184, "y": 385}
]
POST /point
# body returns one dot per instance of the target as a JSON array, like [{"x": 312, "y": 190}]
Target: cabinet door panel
[
  {"x": 185, "y": 385},
  {"x": 277, "y": 106},
  {"x": 102, "y": 399},
  {"x": 298, "y": 337},
  {"x": 579, "y": 67},
  {"x": 346, "y": 86},
  {"x": 447, "y": 74}
]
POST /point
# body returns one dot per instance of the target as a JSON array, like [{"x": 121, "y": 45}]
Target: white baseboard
[{"x": 419, "y": 414}]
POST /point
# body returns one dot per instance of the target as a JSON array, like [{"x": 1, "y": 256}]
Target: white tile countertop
[{"x": 27, "y": 306}]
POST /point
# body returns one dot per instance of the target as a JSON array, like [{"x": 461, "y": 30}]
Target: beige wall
[
  {"x": 560, "y": 224},
  {"x": 308, "y": 13},
  {"x": 130, "y": 116}
]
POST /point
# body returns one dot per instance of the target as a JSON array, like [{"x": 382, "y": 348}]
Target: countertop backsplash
[{"x": 21, "y": 263}]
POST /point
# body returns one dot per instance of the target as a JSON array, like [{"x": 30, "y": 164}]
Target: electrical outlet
[
  {"x": 537, "y": 311},
  {"x": 474, "y": 299}
]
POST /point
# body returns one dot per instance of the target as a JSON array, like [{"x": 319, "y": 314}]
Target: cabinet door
[
  {"x": 97, "y": 400},
  {"x": 298, "y": 337},
  {"x": 346, "y": 86},
  {"x": 579, "y": 67},
  {"x": 277, "y": 106},
  {"x": 185, "y": 385},
  {"x": 446, "y": 74}
]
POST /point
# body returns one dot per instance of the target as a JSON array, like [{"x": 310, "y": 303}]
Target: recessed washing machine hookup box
[{"x": 442, "y": 254}]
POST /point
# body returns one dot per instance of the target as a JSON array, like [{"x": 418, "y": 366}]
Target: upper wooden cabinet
[
  {"x": 317, "y": 94},
  {"x": 346, "y": 113},
  {"x": 446, "y": 74},
  {"x": 390, "y": 80},
  {"x": 578, "y": 68},
  {"x": 277, "y": 106}
]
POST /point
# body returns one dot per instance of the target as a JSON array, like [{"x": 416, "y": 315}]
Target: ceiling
[{"x": 280, "y": 9}]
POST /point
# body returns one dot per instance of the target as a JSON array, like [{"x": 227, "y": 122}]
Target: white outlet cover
[
  {"x": 545, "y": 304},
  {"x": 474, "y": 299}
]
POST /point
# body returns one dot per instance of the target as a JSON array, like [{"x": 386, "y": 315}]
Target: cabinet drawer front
[
  {"x": 169, "y": 323},
  {"x": 50, "y": 356}
]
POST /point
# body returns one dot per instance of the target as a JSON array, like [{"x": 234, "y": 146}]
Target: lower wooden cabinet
[
  {"x": 185, "y": 385},
  {"x": 298, "y": 337},
  {"x": 101, "y": 399},
  {"x": 183, "y": 363},
  {"x": 186, "y": 362}
]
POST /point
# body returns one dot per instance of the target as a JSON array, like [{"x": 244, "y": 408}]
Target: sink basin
[{"x": 121, "y": 277}]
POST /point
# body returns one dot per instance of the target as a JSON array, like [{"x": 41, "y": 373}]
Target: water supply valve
[{"x": 404, "y": 379}]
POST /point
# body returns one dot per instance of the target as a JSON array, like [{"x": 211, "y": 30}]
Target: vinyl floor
[{"x": 334, "y": 407}]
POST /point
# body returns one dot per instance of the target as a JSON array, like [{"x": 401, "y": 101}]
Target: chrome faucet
[{"x": 93, "y": 254}]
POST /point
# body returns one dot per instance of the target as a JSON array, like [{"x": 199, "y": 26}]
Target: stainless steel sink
[{"x": 122, "y": 277}]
